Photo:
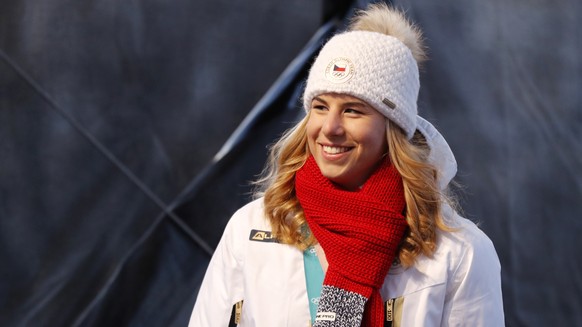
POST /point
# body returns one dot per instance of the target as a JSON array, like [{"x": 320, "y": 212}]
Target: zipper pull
[{"x": 389, "y": 313}]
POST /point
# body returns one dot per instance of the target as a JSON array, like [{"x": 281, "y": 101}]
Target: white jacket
[{"x": 459, "y": 286}]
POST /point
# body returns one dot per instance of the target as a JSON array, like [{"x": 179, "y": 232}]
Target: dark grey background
[{"x": 111, "y": 113}]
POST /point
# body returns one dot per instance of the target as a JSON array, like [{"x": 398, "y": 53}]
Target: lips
[{"x": 335, "y": 149}]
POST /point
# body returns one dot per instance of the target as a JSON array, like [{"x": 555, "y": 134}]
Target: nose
[{"x": 333, "y": 124}]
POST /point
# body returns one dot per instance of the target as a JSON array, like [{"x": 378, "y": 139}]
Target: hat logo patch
[{"x": 339, "y": 70}]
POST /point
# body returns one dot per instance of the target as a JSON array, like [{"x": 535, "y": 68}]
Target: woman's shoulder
[
  {"x": 465, "y": 236},
  {"x": 242, "y": 226},
  {"x": 249, "y": 223},
  {"x": 464, "y": 250},
  {"x": 250, "y": 215}
]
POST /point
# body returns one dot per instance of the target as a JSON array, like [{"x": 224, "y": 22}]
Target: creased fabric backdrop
[
  {"x": 111, "y": 113},
  {"x": 108, "y": 110}
]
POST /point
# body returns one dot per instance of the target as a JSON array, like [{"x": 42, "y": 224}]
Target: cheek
[
  {"x": 311, "y": 129},
  {"x": 377, "y": 146},
  {"x": 375, "y": 138},
  {"x": 311, "y": 133},
  {"x": 382, "y": 140}
]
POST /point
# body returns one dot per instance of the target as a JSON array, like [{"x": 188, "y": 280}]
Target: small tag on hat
[{"x": 389, "y": 103}]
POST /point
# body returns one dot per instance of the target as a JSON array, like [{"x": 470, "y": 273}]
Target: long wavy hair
[{"x": 422, "y": 194}]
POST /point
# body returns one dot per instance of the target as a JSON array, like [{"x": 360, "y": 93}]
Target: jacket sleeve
[
  {"x": 474, "y": 298},
  {"x": 222, "y": 285}
]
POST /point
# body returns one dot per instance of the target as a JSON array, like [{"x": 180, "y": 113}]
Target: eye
[
  {"x": 318, "y": 107},
  {"x": 352, "y": 111}
]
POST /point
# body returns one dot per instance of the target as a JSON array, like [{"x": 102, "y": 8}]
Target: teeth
[{"x": 334, "y": 149}]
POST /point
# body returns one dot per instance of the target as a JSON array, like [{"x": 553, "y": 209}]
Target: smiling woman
[{"x": 355, "y": 200}]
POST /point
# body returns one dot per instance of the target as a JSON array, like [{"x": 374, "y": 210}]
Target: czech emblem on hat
[{"x": 339, "y": 70}]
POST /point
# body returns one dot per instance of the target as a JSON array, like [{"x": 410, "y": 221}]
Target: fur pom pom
[{"x": 381, "y": 18}]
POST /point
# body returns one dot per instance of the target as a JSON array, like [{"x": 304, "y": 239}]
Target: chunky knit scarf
[{"x": 360, "y": 232}]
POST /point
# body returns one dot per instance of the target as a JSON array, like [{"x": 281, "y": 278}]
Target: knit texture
[
  {"x": 346, "y": 308},
  {"x": 360, "y": 231},
  {"x": 374, "y": 67}
]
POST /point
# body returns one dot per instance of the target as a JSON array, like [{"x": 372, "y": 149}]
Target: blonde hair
[
  {"x": 422, "y": 195},
  {"x": 277, "y": 185}
]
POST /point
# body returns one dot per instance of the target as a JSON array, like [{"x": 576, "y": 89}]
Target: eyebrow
[{"x": 319, "y": 99}]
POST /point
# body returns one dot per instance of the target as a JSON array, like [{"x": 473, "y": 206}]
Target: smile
[{"x": 335, "y": 149}]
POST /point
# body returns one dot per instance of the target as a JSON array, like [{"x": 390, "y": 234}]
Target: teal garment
[{"x": 313, "y": 278}]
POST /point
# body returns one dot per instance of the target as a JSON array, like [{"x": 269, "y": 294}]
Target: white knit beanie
[
  {"x": 375, "y": 61},
  {"x": 376, "y": 68}
]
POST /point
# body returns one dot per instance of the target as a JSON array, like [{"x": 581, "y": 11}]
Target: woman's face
[{"x": 347, "y": 138}]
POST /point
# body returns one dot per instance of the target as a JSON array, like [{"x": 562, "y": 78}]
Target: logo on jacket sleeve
[{"x": 262, "y": 236}]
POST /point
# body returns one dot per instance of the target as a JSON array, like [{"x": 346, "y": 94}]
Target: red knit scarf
[{"x": 359, "y": 231}]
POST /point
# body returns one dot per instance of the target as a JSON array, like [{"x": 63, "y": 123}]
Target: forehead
[{"x": 340, "y": 97}]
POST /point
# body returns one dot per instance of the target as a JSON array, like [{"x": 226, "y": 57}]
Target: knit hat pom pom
[{"x": 380, "y": 18}]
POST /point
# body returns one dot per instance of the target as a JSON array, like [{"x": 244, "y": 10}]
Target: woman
[{"x": 354, "y": 227}]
